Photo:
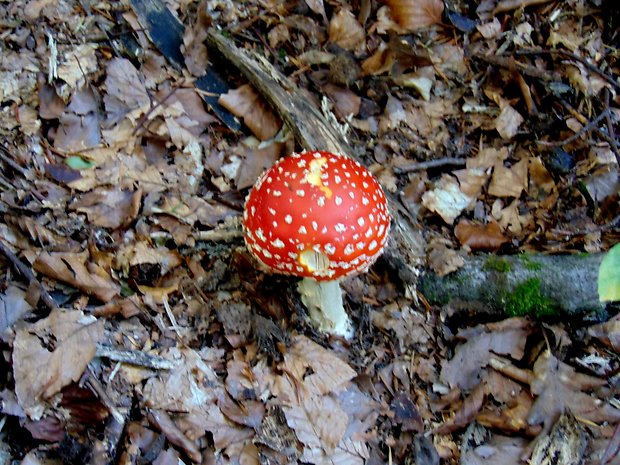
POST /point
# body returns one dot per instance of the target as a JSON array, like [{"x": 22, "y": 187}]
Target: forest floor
[{"x": 135, "y": 327}]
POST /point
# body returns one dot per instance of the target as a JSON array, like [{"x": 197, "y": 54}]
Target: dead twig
[
  {"x": 587, "y": 128},
  {"x": 509, "y": 62},
  {"x": 582, "y": 232},
  {"x": 29, "y": 275},
  {"x": 572, "y": 56},
  {"x": 610, "y": 128},
  {"x": 134, "y": 357},
  {"x": 429, "y": 164}
]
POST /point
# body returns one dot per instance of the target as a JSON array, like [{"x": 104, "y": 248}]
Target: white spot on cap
[
  {"x": 352, "y": 195},
  {"x": 381, "y": 229},
  {"x": 293, "y": 255},
  {"x": 321, "y": 201},
  {"x": 368, "y": 233},
  {"x": 300, "y": 192},
  {"x": 349, "y": 249},
  {"x": 338, "y": 200},
  {"x": 275, "y": 224},
  {"x": 360, "y": 221},
  {"x": 278, "y": 244},
  {"x": 302, "y": 230},
  {"x": 330, "y": 249},
  {"x": 288, "y": 219},
  {"x": 340, "y": 228},
  {"x": 260, "y": 234},
  {"x": 372, "y": 245},
  {"x": 315, "y": 225},
  {"x": 337, "y": 179},
  {"x": 360, "y": 245},
  {"x": 276, "y": 193},
  {"x": 272, "y": 210},
  {"x": 365, "y": 185},
  {"x": 266, "y": 253},
  {"x": 324, "y": 230},
  {"x": 365, "y": 201}
]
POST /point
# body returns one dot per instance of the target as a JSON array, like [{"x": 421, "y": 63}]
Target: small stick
[
  {"x": 587, "y": 128},
  {"x": 610, "y": 129},
  {"x": 425, "y": 165},
  {"x": 134, "y": 357},
  {"x": 29, "y": 275},
  {"x": 573, "y": 56}
]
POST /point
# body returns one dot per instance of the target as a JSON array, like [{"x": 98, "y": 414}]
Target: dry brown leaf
[
  {"x": 50, "y": 354},
  {"x": 329, "y": 373},
  {"x": 140, "y": 253},
  {"x": 446, "y": 199},
  {"x": 109, "y": 208},
  {"x": 477, "y": 237},
  {"x": 320, "y": 424},
  {"x": 508, "y": 122},
  {"x": 608, "y": 332},
  {"x": 346, "y": 31},
  {"x": 560, "y": 388},
  {"x": 416, "y": 14},
  {"x": 316, "y": 6},
  {"x": 509, "y": 182},
  {"x": 465, "y": 368},
  {"x": 126, "y": 94},
  {"x": 13, "y": 307},
  {"x": 466, "y": 413},
  {"x": 346, "y": 102},
  {"x": 257, "y": 159},
  {"x": 79, "y": 123},
  {"x": 540, "y": 178},
  {"x": 442, "y": 259},
  {"x": 74, "y": 269},
  {"x": 244, "y": 102}
]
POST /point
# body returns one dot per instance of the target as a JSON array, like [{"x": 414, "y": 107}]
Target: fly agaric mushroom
[{"x": 322, "y": 217}]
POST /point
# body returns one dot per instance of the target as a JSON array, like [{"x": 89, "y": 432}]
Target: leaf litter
[{"x": 114, "y": 172}]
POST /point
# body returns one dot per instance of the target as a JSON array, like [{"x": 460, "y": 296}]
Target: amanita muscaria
[{"x": 322, "y": 217}]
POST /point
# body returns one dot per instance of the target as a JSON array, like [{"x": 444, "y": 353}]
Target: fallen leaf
[
  {"x": 508, "y": 122},
  {"x": 446, "y": 199},
  {"x": 442, "y": 259},
  {"x": 560, "y": 388},
  {"x": 345, "y": 30},
  {"x": 509, "y": 182},
  {"x": 244, "y": 102},
  {"x": 13, "y": 307},
  {"x": 79, "y": 123},
  {"x": 477, "y": 237},
  {"x": 126, "y": 94},
  {"x": 109, "y": 208},
  {"x": 320, "y": 424},
  {"x": 74, "y": 269},
  {"x": 346, "y": 102},
  {"x": 465, "y": 368},
  {"x": 50, "y": 354},
  {"x": 416, "y": 14}
]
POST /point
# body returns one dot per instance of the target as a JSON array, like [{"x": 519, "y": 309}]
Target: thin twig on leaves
[
  {"x": 587, "y": 128},
  {"x": 425, "y": 165},
  {"x": 29, "y": 275},
  {"x": 572, "y": 56},
  {"x": 610, "y": 128}
]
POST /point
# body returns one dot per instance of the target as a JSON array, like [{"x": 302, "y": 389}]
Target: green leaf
[
  {"x": 609, "y": 276},
  {"x": 78, "y": 163}
]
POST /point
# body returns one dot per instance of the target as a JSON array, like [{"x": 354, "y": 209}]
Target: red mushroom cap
[{"x": 318, "y": 215}]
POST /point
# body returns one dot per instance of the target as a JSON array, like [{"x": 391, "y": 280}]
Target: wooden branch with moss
[{"x": 528, "y": 284}]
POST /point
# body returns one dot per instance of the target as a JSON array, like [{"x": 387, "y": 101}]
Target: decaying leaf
[
  {"x": 50, "y": 354},
  {"x": 416, "y": 14},
  {"x": 487, "y": 237},
  {"x": 74, "y": 269},
  {"x": 446, "y": 199},
  {"x": 13, "y": 307},
  {"x": 465, "y": 368},
  {"x": 345, "y": 31},
  {"x": 246, "y": 103},
  {"x": 109, "y": 208}
]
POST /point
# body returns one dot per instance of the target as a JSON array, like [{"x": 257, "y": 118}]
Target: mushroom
[{"x": 322, "y": 217}]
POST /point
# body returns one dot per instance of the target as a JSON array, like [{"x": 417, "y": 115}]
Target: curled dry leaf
[
  {"x": 345, "y": 31},
  {"x": 73, "y": 269},
  {"x": 109, "y": 208},
  {"x": 50, "y": 354},
  {"x": 487, "y": 237},
  {"x": 447, "y": 199},
  {"x": 244, "y": 102},
  {"x": 79, "y": 123},
  {"x": 416, "y": 14}
]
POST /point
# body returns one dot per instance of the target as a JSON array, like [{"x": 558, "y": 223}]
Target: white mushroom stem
[{"x": 323, "y": 299}]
